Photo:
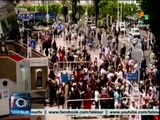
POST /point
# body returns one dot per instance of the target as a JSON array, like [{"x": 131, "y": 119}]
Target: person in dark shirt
[
  {"x": 54, "y": 46},
  {"x": 84, "y": 51},
  {"x": 123, "y": 51},
  {"x": 143, "y": 68}
]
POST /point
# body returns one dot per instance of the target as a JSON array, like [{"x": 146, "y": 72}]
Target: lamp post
[
  {"x": 69, "y": 14},
  {"x": 111, "y": 20},
  {"x": 121, "y": 12},
  {"x": 27, "y": 29},
  {"x": 107, "y": 20},
  {"x": 117, "y": 26},
  {"x": 47, "y": 15}
]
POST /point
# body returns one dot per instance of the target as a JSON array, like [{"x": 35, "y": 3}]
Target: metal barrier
[
  {"x": 60, "y": 65},
  {"x": 33, "y": 50},
  {"x": 14, "y": 53},
  {"x": 69, "y": 65},
  {"x": 92, "y": 99}
]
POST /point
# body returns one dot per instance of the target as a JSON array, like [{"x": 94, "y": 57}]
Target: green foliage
[
  {"x": 80, "y": 10},
  {"x": 52, "y": 8},
  {"x": 65, "y": 10},
  {"x": 110, "y": 8},
  {"x": 91, "y": 10},
  {"x": 105, "y": 7}
]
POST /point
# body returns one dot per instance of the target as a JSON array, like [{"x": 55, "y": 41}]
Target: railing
[
  {"x": 12, "y": 52},
  {"x": 92, "y": 99},
  {"x": 24, "y": 46},
  {"x": 64, "y": 65},
  {"x": 60, "y": 65},
  {"x": 34, "y": 51}
]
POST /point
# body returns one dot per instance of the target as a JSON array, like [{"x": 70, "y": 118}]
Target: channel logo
[{"x": 20, "y": 103}]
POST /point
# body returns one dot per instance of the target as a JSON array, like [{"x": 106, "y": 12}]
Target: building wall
[
  {"x": 34, "y": 77},
  {"x": 8, "y": 69}
]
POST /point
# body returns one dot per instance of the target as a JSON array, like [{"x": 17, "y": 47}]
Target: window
[
  {"x": 39, "y": 78},
  {"x": 136, "y": 31}
]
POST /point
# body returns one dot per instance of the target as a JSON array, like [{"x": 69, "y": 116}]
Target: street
[{"x": 137, "y": 52}]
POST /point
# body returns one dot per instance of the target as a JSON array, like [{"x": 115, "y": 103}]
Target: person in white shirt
[
  {"x": 107, "y": 50},
  {"x": 96, "y": 98},
  {"x": 119, "y": 74},
  {"x": 21, "y": 41},
  {"x": 103, "y": 36},
  {"x": 29, "y": 50},
  {"x": 103, "y": 71}
]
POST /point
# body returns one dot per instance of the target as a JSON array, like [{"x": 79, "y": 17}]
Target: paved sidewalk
[{"x": 94, "y": 53}]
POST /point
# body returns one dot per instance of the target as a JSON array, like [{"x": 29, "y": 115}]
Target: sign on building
[{"x": 34, "y": 62}]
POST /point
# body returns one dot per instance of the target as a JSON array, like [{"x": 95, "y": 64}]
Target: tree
[
  {"x": 91, "y": 10},
  {"x": 96, "y": 5},
  {"x": 65, "y": 12},
  {"x": 74, "y": 10},
  {"x": 80, "y": 10}
]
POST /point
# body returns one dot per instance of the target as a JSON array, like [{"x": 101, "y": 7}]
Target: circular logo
[{"x": 21, "y": 103}]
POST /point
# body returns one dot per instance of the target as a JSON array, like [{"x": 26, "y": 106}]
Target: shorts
[{"x": 116, "y": 104}]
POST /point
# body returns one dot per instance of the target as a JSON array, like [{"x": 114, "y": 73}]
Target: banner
[
  {"x": 94, "y": 112},
  {"x": 65, "y": 77},
  {"x": 132, "y": 76}
]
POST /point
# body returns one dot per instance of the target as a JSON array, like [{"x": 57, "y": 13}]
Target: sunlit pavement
[{"x": 94, "y": 53}]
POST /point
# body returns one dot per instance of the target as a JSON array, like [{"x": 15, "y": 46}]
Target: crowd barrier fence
[
  {"x": 69, "y": 65},
  {"x": 92, "y": 99}
]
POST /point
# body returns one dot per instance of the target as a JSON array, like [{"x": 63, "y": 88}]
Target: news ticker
[{"x": 91, "y": 112}]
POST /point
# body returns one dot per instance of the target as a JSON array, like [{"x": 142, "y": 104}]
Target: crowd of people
[
  {"x": 95, "y": 85},
  {"x": 105, "y": 85}
]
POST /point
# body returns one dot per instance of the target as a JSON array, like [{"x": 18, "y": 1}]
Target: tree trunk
[
  {"x": 96, "y": 10},
  {"x": 74, "y": 11},
  {"x": 65, "y": 18}
]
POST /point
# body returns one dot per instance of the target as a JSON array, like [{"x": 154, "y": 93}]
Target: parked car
[
  {"x": 135, "y": 32},
  {"x": 122, "y": 27},
  {"x": 93, "y": 27}
]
